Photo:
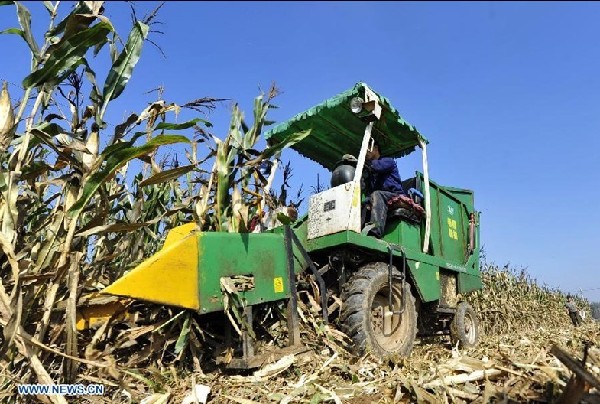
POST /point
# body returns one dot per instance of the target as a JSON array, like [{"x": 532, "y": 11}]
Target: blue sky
[{"x": 506, "y": 93}]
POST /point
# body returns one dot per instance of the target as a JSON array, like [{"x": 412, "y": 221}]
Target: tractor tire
[
  {"x": 364, "y": 302},
  {"x": 464, "y": 327}
]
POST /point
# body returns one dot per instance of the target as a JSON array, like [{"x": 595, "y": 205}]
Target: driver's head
[{"x": 373, "y": 153}]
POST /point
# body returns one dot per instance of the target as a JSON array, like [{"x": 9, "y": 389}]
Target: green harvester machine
[{"x": 410, "y": 282}]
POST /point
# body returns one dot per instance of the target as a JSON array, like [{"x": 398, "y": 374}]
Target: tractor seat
[
  {"x": 405, "y": 207},
  {"x": 403, "y": 201}
]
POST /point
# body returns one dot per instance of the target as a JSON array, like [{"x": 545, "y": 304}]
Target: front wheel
[
  {"x": 464, "y": 328},
  {"x": 366, "y": 317}
]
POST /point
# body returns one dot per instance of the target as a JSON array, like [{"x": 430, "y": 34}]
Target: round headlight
[{"x": 356, "y": 104}]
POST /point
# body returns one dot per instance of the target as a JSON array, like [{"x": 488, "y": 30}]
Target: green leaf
[
  {"x": 68, "y": 54},
  {"x": 114, "y": 52},
  {"x": 167, "y": 175},
  {"x": 121, "y": 70},
  {"x": 47, "y": 130},
  {"x": 183, "y": 336},
  {"x": 115, "y": 158},
  {"x": 15, "y": 31},
  {"x": 316, "y": 398},
  {"x": 285, "y": 143},
  {"x": 6, "y": 3},
  {"x": 171, "y": 320},
  {"x": 137, "y": 375},
  {"x": 113, "y": 148},
  {"x": 226, "y": 153},
  {"x": 94, "y": 92},
  {"x": 25, "y": 21},
  {"x": 179, "y": 126},
  {"x": 260, "y": 113},
  {"x": 99, "y": 47}
]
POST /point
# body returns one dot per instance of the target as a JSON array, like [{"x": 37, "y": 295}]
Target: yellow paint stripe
[{"x": 170, "y": 276}]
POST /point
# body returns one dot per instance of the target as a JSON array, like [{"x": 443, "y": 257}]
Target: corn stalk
[
  {"x": 56, "y": 183},
  {"x": 71, "y": 219},
  {"x": 512, "y": 299}
]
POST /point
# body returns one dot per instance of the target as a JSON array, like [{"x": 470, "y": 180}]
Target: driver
[{"x": 385, "y": 184}]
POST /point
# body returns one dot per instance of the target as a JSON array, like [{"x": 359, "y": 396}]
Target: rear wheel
[
  {"x": 366, "y": 316},
  {"x": 464, "y": 328}
]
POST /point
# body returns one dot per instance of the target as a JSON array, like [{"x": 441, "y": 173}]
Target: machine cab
[{"x": 342, "y": 127}]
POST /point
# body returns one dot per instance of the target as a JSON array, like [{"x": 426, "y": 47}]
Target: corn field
[
  {"x": 75, "y": 215},
  {"x": 512, "y": 299}
]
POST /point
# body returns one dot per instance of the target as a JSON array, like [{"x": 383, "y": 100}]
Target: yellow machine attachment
[
  {"x": 94, "y": 310},
  {"x": 170, "y": 276},
  {"x": 202, "y": 271}
]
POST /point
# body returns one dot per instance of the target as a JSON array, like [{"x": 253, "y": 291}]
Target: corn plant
[
  {"x": 63, "y": 197},
  {"x": 71, "y": 220},
  {"x": 512, "y": 300}
]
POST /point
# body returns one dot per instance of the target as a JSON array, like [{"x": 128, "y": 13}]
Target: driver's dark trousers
[{"x": 379, "y": 209}]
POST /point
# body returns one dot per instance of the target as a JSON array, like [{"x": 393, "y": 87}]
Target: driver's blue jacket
[{"x": 385, "y": 176}]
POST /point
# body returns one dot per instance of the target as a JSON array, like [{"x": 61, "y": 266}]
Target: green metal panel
[
  {"x": 346, "y": 238},
  {"x": 393, "y": 232},
  {"x": 469, "y": 282},
  {"x": 261, "y": 255},
  {"x": 402, "y": 233},
  {"x": 411, "y": 237},
  {"x": 452, "y": 229},
  {"x": 426, "y": 278},
  {"x": 435, "y": 241},
  {"x": 471, "y": 279},
  {"x": 300, "y": 228},
  {"x": 450, "y": 208},
  {"x": 465, "y": 196}
]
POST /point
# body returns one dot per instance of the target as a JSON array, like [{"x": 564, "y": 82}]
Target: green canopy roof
[{"x": 336, "y": 131}]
